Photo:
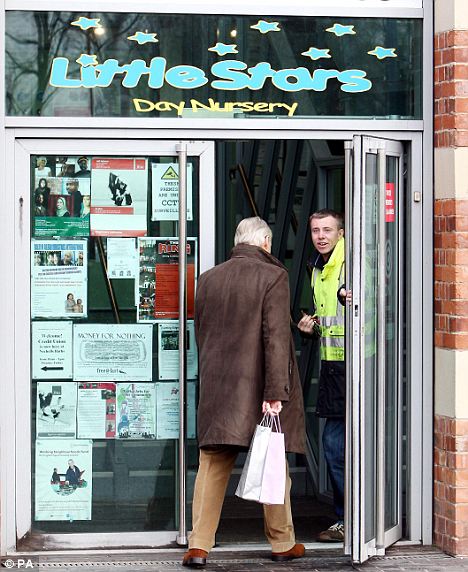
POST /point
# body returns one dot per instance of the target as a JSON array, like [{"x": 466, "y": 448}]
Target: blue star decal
[
  {"x": 86, "y": 23},
  {"x": 316, "y": 53},
  {"x": 382, "y": 53},
  {"x": 264, "y": 27},
  {"x": 223, "y": 49},
  {"x": 86, "y": 60},
  {"x": 143, "y": 38},
  {"x": 340, "y": 30}
]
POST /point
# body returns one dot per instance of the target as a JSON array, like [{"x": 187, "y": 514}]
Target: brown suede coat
[{"x": 246, "y": 350}]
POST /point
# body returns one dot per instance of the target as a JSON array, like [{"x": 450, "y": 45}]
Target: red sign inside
[{"x": 390, "y": 202}]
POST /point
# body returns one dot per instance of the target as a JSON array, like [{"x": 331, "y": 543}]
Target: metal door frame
[
  {"x": 17, "y": 519},
  {"x": 16, "y": 278}
]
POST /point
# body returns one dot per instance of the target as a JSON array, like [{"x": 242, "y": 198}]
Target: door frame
[{"x": 16, "y": 283}]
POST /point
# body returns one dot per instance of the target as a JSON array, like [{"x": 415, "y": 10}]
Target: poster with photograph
[
  {"x": 59, "y": 280},
  {"x": 96, "y": 414},
  {"x": 75, "y": 167},
  {"x": 112, "y": 352},
  {"x": 136, "y": 411},
  {"x": 63, "y": 480},
  {"x": 165, "y": 191},
  {"x": 61, "y": 207},
  {"x": 119, "y": 188},
  {"x": 122, "y": 259},
  {"x": 56, "y": 410},
  {"x": 159, "y": 278},
  {"x": 52, "y": 350},
  {"x": 167, "y": 410},
  {"x": 44, "y": 167},
  {"x": 168, "y": 350}
]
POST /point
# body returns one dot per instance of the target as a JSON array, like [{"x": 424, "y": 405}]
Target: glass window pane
[
  {"x": 105, "y": 423},
  {"x": 343, "y": 73}
]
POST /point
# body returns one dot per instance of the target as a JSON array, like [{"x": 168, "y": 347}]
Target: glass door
[
  {"x": 107, "y": 270},
  {"x": 374, "y": 436}
]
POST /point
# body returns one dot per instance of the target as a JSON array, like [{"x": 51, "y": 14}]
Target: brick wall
[
  {"x": 451, "y": 484},
  {"x": 451, "y": 290},
  {"x": 451, "y": 273},
  {"x": 451, "y": 89}
]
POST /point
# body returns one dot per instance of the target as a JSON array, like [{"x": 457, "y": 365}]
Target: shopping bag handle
[{"x": 272, "y": 421}]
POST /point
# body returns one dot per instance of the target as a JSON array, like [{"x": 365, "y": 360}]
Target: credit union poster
[
  {"x": 112, "y": 352},
  {"x": 159, "y": 278},
  {"x": 63, "y": 480},
  {"x": 52, "y": 350}
]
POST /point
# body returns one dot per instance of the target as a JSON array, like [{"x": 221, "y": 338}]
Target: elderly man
[{"x": 247, "y": 367}]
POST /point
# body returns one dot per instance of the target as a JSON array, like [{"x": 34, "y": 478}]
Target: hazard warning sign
[{"x": 165, "y": 191}]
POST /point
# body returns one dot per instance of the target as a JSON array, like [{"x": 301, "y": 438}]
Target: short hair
[
  {"x": 323, "y": 213},
  {"x": 252, "y": 231}
]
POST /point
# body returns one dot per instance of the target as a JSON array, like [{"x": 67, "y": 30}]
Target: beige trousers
[{"x": 215, "y": 468}]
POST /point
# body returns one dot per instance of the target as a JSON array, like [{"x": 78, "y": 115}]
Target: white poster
[
  {"x": 119, "y": 189},
  {"x": 52, "y": 350},
  {"x": 56, "y": 410},
  {"x": 168, "y": 350},
  {"x": 167, "y": 410},
  {"x": 59, "y": 282},
  {"x": 135, "y": 411},
  {"x": 112, "y": 352},
  {"x": 63, "y": 480},
  {"x": 122, "y": 259},
  {"x": 96, "y": 414},
  {"x": 165, "y": 191}
]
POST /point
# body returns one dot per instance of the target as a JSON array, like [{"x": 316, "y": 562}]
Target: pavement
[{"x": 404, "y": 558}]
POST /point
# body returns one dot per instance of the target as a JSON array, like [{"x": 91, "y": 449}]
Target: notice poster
[
  {"x": 112, "y": 352},
  {"x": 167, "y": 410},
  {"x": 159, "y": 278},
  {"x": 122, "y": 260},
  {"x": 61, "y": 207},
  {"x": 96, "y": 414},
  {"x": 136, "y": 411},
  {"x": 165, "y": 191},
  {"x": 52, "y": 350},
  {"x": 390, "y": 202},
  {"x": 63, "y": 480},
  {"x": 56, "y": 410},
  {"x": 119, "y": 188},
  {"x": 168, "y": 350},
  {"x": 59, "y": 280}
]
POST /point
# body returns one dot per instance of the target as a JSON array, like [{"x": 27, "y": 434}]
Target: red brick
[
  {"x": 457, "y": 460},
  {"x": 448, "y": 207},
  {"x": 459, "y": 71},
  {"x": 457, "y": 477},
  {"x": 460, "y": 427},
  {"x": 458, "y": 324},
  {"x": 457, "y": 495},
  {"x": 454, "y": 341},
  {"x": 440, "y": 524},
  {"x": 460, "y": 37},
  {"x": 437, "y": 58}
]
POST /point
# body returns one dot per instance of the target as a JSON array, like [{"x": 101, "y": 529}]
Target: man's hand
[
  {"x": 345, "y": 295},
  {"x": 272, "y": 407},
  {"x": 306, "y": 323}
]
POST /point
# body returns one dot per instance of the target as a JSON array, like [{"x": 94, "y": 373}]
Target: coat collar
[{"x": 251, "y": 251}]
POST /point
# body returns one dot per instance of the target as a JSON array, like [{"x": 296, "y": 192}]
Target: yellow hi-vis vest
[{"x": 325, "y": 284}]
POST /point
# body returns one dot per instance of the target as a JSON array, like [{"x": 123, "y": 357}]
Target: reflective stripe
[{"x": 331, "y": 354}]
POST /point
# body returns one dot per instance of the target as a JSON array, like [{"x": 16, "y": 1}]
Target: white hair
[{"x": 252, "y": 231}]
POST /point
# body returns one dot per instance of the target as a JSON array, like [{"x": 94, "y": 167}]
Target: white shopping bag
[
  {"x": 274, "y": 471},
  {"x": 263, "y": 477},
  {"x": 250, "y": 483}
]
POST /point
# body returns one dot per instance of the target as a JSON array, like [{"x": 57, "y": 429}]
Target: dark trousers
[{"x": 333, "y": 440}]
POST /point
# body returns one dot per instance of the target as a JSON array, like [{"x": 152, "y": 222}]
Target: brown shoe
[
  {"x": 297, "y": 551},
  {"x": 333, "y": 534},
  {"x": 195, "y": 558}
]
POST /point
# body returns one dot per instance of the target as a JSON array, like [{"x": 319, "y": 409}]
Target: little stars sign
[{"x": 226, "y": 75}]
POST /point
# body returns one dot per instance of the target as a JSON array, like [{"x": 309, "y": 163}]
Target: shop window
[{"x": 104, "y": 337}]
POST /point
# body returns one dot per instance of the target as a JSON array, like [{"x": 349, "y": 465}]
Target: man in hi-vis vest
[{"x": 327, "y": 321}]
